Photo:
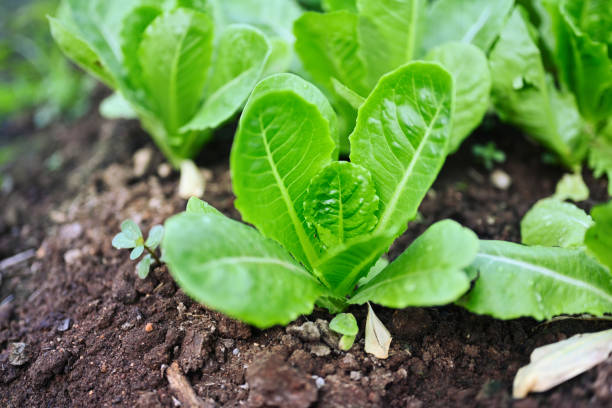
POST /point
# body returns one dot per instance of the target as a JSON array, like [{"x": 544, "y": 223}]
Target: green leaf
[
  {"x": 335, "y": 5},
  {"x": 389, "y": 34},
  {"x": 402, "y": 136},
  {"x": 155, "y": 237},
  {"x": 584, "y": 62},
  {"x": 197, "y": 206},
  {"x": 136, "y": 252},
  {"x": 554, "y": 223},
  {"x": 600, "y": 158},
  {"x": 117, "y": 107},
  {"x": 328, "y": 47},
  {"x": 144, "y": 266},
  {"x": 341, "y": 203},
  {"x": 599, "y": 237},
  {"x": 175, "y": 55},
  {"x": 476, "y": 22},
  {"x": 378, "y": 267},
  {"x": 572, "y": 187},
  {"x": 470, "y": 69},
  {"x": 121, "y": 241},
  {"x": 242, "y": 54},
  {"x": 344, "y": 323},
  {"x": 131, "y": 230},
  {"x": 353, "y": 98},
  {"x": 429, "y": 273},
  {"x": 515, "y": 281},
  {"x": 80, "y": 52},
  {"x": 283, "y": 141},
  {"x": 230, "y": 267},
  {"x": 525, "y": 96}
]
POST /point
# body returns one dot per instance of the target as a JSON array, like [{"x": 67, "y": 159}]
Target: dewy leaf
[
  {"x": 551, "y": 222},
  {"x": 242, "y": 54},
  {"x": 144, "y": 266},
  {"x": 402, "y": 136},
  {"x": 230, "y": 267},
  {"x": 556, "y": 363},
  {"x": 155, "y": 237},
  {"x": 599, "y": 237},
  {"x": 377, "y": 337},
  {"x": 389, "y": 34},
  {"x": 470, "y": 69},
  {"x": 175, "y": 55},
  {"x": 328, "y": 47},
  {"x": 515, "y": 281},
  {"x": 572, "y": 187},
  {"x": 471, "y": 21},
  {"x": 195, "y": 205},
  {"x": 283, "y": 141},
  {"x": 526, "y": 97},
  {"x": 341, "y": 203},
  {"x": 429, "y": 273}
]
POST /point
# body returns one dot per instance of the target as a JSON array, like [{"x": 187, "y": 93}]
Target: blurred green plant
[{"x": 34, "y": 75}]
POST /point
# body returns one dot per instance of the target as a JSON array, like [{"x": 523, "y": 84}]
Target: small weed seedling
[
  {"x": 488, "y": 155},
  {"x": 131, "y": 237}
]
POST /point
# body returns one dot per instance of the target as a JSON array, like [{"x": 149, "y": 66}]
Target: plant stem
[{"x": 153, "y": 254}]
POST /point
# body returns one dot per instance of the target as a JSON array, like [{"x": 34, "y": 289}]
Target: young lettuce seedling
[
  {"x": 322, "y": 224},
  {"x": 176, "y": 65},
  {"x": 346, "y": 325},
  {"x": 131, "y": 237}
]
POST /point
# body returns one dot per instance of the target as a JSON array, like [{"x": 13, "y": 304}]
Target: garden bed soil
[{"x": 96, "y": 335}]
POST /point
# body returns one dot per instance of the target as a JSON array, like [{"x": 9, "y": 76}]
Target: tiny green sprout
[
  {"x": 131, "y": 237},
  {"x": 488, "y": 154},
  {"x": 346, "y": 325}
]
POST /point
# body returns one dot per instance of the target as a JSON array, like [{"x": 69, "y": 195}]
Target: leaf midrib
[
  {"x": 173, "y": 77},
  {"x": 548, "y": 273}
]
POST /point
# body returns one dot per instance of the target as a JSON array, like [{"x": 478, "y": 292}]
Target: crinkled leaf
[
  {"x": 551, "y": 222},
  {"x": 599, "y": 237},
  {"x": 283, "y": 141},
  {"x": 144, "y": 266},
  {"x": 155, "y": 237},
  {"x": 136, "y": 252},
  {"x": 341, "y": 203},
  {"x": 401, "y": 137},
  {"x": 516, "y": 280},
  {"x": 430, "y": 272},
  {"x": 471, "y": 21},
  {"x": 175, "y": 55},
  {"x": 230, "y": 267},
  {"x": 242, "y": 54},
  {"x": 197, "y": 206},
  {"x": 470, "y": 68},
  {"x": 344, "y": 323},
  {"x": 389, "y": 34},
  {"x": 526, "y": 97}
]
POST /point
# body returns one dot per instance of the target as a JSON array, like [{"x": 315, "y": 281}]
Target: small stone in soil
[
  {"x": 320, "y": 350},
  {"x": 501, "y": 180},
  {"x": 330, "y": 338},
  {"x": 149, "y": 327},
  {"x": 63, "y": 325},
  {"x": 306, "y": 332},
  {"x": 18, "y": 354}
]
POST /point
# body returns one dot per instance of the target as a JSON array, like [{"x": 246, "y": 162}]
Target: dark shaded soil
[{"x": 96, "y": 335}]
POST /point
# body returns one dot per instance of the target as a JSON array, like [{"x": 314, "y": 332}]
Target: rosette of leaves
[
  {"x": 131, "y": 237},
  {"x": 180, "y": 66},
  {"x": 321, "y": 224}
]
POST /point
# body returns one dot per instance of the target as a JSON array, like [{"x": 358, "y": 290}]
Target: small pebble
[
  {"x": 103, "y": 368},
  {"x": 142, "y": 160},
  {"x": 501, "y": 180},
  {"x": 306, "y": 332},
  {"x": 63, "y": 325},
  {"x": 18, "y": 354},
  {"x": 149, "y": 327},
  {"x": 164, "y": 170},
  {"x": 319, "y": 382},
  {"x": 127, "y": 326},
  {"x": 72, "y": 256},
  {"x": 320, "y": 350},
  {"x": 355, "y": 375}
]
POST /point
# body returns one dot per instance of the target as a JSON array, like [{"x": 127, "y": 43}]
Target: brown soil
[{"x": 96, "y": 335}]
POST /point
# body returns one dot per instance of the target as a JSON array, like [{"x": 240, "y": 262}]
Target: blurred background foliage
[{"x": 35, "y": 78}]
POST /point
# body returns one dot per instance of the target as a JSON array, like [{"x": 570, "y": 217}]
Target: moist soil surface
[{"x": 96, "y": 335}]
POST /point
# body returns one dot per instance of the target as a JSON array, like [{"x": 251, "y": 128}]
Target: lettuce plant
[
  {"x": 347, "y": 49},
  {"x": 179, "y": 66},
  {"x": 322, "y": 224}
]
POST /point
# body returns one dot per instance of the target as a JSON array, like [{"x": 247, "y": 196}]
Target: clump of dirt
[{"x": 96, "y": 335}]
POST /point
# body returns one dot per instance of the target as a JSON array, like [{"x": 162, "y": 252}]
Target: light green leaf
[
  {"x": 144, "y": 266},
  {"x": 155, "y": 237},
  {"x": 283, "y": 141},
  {"x": 599, "y": 237},
  {"x": 429, "y": 273},
  {"x": 525, "y": 96},
  {"x": 344, "y": 323},
  {"x": 470, "y": 69},
  {"x": 328, "y": 47},
  {"x": 476, "y": 22},
  {"x": 197, "y": 206},
  {"x": 572, "y": 187},
  {"x": 117, "y": 107},
  {"x": 402, "y": 136},
  {"x": 600, "y": 158},
  {"x": 341, "y": 203},
  {"x": 551, "y": 222},
  {"x": 121, "y": 241},
  {"x": 136, "y": 252},
  {"x": 230, "y": 267},
  {"x": 242, "y": 54},
  {"x": 515, "y": 281},
  {"x": 335, "y": 5},
  {"x": 346, "y": 93},
  {"x": 389, "y": 34},
  {"x": 175, "y": 56},
  {"x": 131, "y": 230},
  {"x": 378, "y": 267}
]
